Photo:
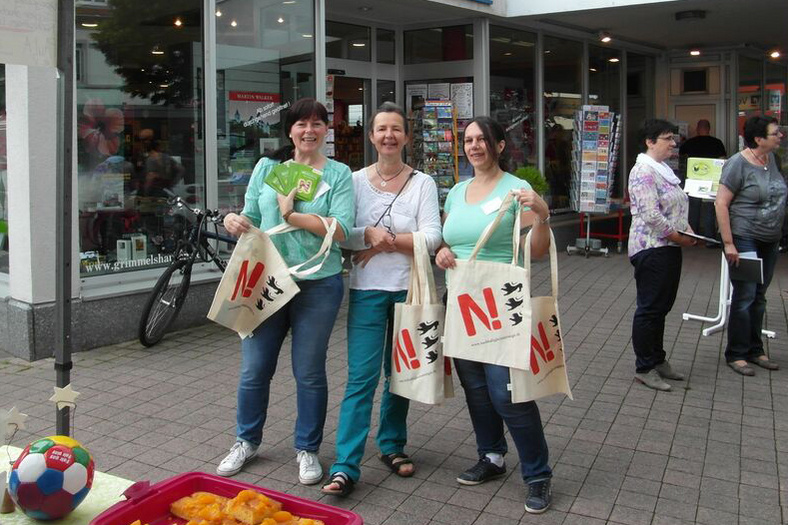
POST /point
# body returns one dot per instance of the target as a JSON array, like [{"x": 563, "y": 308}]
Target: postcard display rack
[
  {"x": 597, "y": 136},
  {"x": 435, "y": 145}
]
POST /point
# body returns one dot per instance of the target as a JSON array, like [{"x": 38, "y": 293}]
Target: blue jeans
[
  {"x": 311, "y": 315},
  {"x": 748, "y": 304},
  {"x": 490, "y": 405},
  {"x": 369, "y": 335}
]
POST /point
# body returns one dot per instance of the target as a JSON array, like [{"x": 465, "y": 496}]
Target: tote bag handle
[
  {"x": 324, "y": 251},
  {"x": 553, "y": 260},
  {"x": 422, "y": 282},
  {"x": 488, "y": 231}
]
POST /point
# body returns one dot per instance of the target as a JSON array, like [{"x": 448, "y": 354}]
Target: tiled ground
[{"x": 712, "y": 451}]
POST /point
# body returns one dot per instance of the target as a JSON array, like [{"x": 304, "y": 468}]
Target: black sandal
[
  {"x": 395, "y": 462},
  {"x": 346, "y": 485}
]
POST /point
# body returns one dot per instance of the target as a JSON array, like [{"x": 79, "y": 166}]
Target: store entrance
[{"x": 351, "y": 103}]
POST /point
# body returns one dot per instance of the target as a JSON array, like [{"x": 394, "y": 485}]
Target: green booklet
[{"x": 288, "y": 175}]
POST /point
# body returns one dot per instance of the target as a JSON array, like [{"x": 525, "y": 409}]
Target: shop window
[
  {"x": 512, "y": 78},
  {"x": 139, "y": 130},
  {"x": 777, "y": 104},
  {"x": 386, "y": 46},
  {"x": 750, "y": 96},
  {"x": 439, "y": 44},
  {"x": 640, "y": 104},
  {"x": 348, "y": 41},
  {"x": 387, "y": 91},
  {"x": 3, "y": 177},
  {"x": 253, "y": 93},
  {"x": 562, "y": 97},
  {"x": 604, "y": 88}
]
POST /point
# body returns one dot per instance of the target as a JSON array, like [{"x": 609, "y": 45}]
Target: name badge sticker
[{"x": 492, "y": 206}]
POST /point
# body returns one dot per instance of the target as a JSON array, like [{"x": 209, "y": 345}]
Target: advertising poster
[
  {"x": 439, "y": 91},
  {"x": 415, "y": 95},
  {"x": 462, "y": 96}
]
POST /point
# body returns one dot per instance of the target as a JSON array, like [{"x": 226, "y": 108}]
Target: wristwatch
[{"x": 287, "y": 214}]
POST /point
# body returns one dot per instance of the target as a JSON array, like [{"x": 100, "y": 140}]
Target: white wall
[{"x": 541, "y": 7}]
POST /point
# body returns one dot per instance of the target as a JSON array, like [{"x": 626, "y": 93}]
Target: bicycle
[{"x": 169, "y": 293}]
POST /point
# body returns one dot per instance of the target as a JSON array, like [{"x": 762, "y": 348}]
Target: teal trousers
[{"x": 369, "y": 334}]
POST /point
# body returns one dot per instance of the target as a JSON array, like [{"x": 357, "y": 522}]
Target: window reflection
[
  {"x": 139, "y": 129},
  {"x": 562, "y": 97},
  {"x": 263, "y": 64}
]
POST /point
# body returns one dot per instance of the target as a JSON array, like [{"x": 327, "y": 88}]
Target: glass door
[{"x": 352, "y": 101}]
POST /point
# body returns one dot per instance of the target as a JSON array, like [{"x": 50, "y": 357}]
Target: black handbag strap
[{"x": 388, "y": 208}]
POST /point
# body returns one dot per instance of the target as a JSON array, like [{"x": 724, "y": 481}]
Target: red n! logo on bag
[
  {"x": 407, "y": 354},
  {"x": 470, "y": 308},
  {"x": 246, "y": 286},
  {"x": 543, "y": 350}
]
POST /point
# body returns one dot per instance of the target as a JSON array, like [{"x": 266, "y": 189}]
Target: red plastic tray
[{"x": 151, "y": 503}]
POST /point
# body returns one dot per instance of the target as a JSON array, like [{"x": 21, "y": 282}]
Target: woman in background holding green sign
[{"x": 311, "y": 313}]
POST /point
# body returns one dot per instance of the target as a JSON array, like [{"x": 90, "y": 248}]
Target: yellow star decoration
[
  {"x": 13, "y": 418},
  {"x": 64, "y": 395}
]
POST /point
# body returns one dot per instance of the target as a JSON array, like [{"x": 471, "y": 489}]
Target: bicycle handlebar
[{"x": 175, "y": 200}]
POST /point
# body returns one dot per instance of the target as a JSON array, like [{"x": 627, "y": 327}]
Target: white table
[{"x": 719, "y": 320}]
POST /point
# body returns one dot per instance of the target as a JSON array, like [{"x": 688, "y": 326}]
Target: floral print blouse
[{"x": 658, "y": 208}]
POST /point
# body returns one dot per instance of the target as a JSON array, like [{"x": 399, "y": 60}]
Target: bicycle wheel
[{"x": 164, "y": 303}]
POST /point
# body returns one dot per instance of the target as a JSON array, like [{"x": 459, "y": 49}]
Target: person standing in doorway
[{"x": 703, "y": 145}]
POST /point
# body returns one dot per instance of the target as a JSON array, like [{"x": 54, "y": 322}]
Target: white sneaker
[
  {"x": 240, "y": 454},
  {"x": 309, "y": 469}
]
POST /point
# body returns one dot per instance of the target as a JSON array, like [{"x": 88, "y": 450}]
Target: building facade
[{"x": 185, "y": 96}]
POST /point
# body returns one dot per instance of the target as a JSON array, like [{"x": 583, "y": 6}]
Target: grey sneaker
[
  {"x": 309, "y": 469},
  {"x": 653, "y": 380},
  {"x": 240, "y": 454},
  {"x": 664, "y": 370}
]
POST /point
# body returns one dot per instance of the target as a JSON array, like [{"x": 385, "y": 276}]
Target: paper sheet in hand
[
  {"x": 707, "y": 240},
  {"x": 750, "y": 268}
]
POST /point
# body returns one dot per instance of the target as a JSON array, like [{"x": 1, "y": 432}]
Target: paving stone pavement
[{"x": 712, "y": 451}]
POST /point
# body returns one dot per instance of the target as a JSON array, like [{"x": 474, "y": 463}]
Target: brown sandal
[
  {"x": 395, "y": 462},
  {"x": 345, "y": 484}
]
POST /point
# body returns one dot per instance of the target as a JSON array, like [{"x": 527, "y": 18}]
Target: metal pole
[{"x": 65, "y": 116}]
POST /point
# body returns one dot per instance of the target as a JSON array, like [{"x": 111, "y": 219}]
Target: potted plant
[{"x": 534, "y": 177}]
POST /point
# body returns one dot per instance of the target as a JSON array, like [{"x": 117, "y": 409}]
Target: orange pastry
[
  {"x": 251, "y": 508},
  {"x": 200, "y": 506}
]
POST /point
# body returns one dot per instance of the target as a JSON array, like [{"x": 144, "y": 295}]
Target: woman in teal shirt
[
  {"x": 470, "y": 207},
  {"x": 310, "y": 314}
]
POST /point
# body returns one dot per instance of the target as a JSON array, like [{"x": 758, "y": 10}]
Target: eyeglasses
[
  {"x": 671, "y": 138},
  {"x": 775, "y": 134},
  {"x": 387, "y": 222}
]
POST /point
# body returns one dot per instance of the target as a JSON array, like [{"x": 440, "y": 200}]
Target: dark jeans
[
  {"x": 490, "y": 405},
  {"x": 748, "y": 304},
  {"x": 702, "y": 217},
  {"x": 657, "y": 275}
]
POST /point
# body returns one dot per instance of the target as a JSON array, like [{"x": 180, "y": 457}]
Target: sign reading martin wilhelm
[{"x": 28, "y": 32}]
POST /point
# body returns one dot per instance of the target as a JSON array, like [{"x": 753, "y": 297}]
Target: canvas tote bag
[
  {"x": 548, "y": 364},
  {"x": 418, "y": 369},
  {"x": 488, "y": 314},
  {"x": 258, "y": 282}
]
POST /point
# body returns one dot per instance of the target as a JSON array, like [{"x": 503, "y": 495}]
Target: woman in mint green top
[
  {"x": 310, "y": 315},
  {"x": 469, "y": 208}
]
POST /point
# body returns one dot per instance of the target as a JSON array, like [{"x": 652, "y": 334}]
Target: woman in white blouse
[{"x": 392, "y": 201}]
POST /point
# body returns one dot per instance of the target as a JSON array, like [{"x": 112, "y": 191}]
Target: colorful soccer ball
[{"x": 51, "y": 477}]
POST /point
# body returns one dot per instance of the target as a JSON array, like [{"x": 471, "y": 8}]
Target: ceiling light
[
  {"x": 592, "y": 69},
  {"x": 695, "y": 52},
  {"x": 280, "y": 20},
  {"x": 547, "y": 52},
  {"x": 614, "y": 60},
  {"x": 365, "y": 9},
  {"x": 288, "y": 2},
  {"x": 234, "y": 23},
  {"x": 605, "y": 37},
  {"x": 156, "y": 50},
  {"x": 89, "y": 24},
  {"x": 775, "y": 54},
  {"x": 507, "y": 54},
  {"x": 306, "y": 36},
  {"x": 218, "y": 13},
  {"x": 361, "y": 89},
  {"x": 178, "y": 22},
  {"x": 358, "y": 44},
  {"x": 164, "y": 85}
]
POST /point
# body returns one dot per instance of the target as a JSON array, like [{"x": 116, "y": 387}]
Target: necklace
[
  {"x": 759, "y": 160},
  {"x": 383, "y": 180}
]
